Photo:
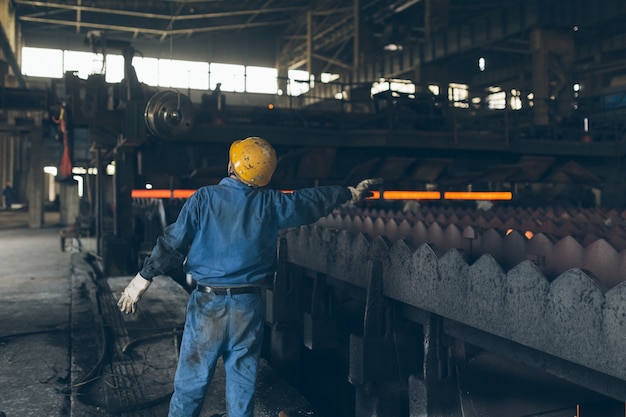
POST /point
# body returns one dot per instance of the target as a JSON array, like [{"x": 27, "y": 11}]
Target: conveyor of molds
[
  {"x": 588, "y": 240},
  {"x": 572, "y": 317}
]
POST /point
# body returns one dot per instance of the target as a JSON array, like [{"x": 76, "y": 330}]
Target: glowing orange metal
[
  {"x": 406, "y": 195},
  {"x": 162, "y": 193},
  {"x": 477, "y": 195},
  {"x": 376, "y": 195}
]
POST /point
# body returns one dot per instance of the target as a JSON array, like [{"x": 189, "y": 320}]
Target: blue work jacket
[{"x": 228, "y": 232}]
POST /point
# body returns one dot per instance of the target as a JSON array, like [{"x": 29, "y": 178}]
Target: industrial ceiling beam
[
  {"x": 356, "y": 47},
  {"x": 158, "y": 32},
  {"x": 258, "y": 12},
  {"x": 333, "y": 61},
  {"x": 333, "y": 34},
  {"x": 159, "y": 16},
  {"x": 309, "y": 42},
  {"x": 78, "y": 17}
]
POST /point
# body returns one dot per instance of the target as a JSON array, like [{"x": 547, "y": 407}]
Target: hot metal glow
[
  {"x": 477, "y": 195},
  {"x": 406, "y": 195},
  {"x": 376, "y": 195},
  {"x": 162, "y": 193}
]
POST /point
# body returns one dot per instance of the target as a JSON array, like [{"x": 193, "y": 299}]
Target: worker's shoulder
[
  {"x": 210, "y": 188},
  {"x": 226, "y": 187}
]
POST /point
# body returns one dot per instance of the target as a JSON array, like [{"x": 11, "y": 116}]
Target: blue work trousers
[{"x": 230, "y": 326}]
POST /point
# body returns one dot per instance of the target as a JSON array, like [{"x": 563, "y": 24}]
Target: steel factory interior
[{"x": 484, "y": 277}]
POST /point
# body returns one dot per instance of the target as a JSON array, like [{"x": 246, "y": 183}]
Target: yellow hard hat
[{"x": 253, "y": 160}]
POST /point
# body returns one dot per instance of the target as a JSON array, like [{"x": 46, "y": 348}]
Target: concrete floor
[
  {"x": 35, "y": 300},
  {"x": 57, "y": 317}
]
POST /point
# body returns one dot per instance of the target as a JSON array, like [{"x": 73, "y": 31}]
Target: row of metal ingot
[
  {"x": 554, "y": 239},
  {"x": 585, "y": 225},
  {"x": 588, "y": 240}
]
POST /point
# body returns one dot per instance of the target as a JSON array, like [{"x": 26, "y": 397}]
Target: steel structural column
[
  {"x": 99, "y": 202},
  {"x": 119, "y": 251},
  {"x": 552, "y": 55},
  {"x": 309, "y": 41},
  {"x": 35, "y": 176},
  {"x": 69, "y": 202},
  {"x": 435, "y": 18},
  {"x": 124, "y": 176},
  {"x": 357, "y": 37},
  {"x": 5, "y": 45}
]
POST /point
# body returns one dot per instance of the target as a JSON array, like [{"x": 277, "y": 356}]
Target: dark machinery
[{"x": 169, "y": 115}]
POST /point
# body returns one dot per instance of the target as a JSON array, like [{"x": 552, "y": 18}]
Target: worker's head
[{"x": 252, "y": 161}]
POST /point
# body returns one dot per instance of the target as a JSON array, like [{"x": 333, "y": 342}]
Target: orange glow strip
[
  {"x": 386, "y": 195},
  {"x": 478, "y": 195},
  {"x": 406, "y": 195},
  {"x": 162, "y": 193}
]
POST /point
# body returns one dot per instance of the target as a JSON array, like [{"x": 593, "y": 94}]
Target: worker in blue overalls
[{"x": 228, "y": 235}]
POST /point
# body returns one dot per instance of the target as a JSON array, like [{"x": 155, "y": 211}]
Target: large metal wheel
[{"x": 169, "y": 115}]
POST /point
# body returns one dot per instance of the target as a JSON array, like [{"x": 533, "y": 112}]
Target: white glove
[
  {"x": 133, "y": 292},
  {"x": 362, "y": 189}
]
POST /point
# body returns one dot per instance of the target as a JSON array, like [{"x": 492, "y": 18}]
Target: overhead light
[{"x": 392, "y": 47}]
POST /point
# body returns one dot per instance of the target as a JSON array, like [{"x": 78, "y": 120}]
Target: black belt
[{"x": 229, "y": 291}]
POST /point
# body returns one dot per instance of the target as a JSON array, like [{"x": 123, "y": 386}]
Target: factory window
[
  {"x": 261, "y": 80},
  {"x": 83, "y": 64},
  {"x": 147, "y": 70},
  {"x": 298, "y": 82},
  {"x": 402, "y": 86},
  {"x": 458, "y": 94},
  {"x": 40, "y": 62},
  {"x": 434, "y": 88},
  {"x": 394, "y": 85},
  {"x": 114, "y": 68},
  {"x": 496, "y": 100},
  {"x": 516, "y": 100},
  {"x": 232, "y": 77},
  {"x": 327, "y": 77},
  {"x": 183, "y": 74},
  {"x": 165, "y": 72}
]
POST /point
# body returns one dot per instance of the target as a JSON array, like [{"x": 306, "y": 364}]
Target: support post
[
  {"x": 553, "y": 53},
  {"x": 68, "y": 202},
  {"x": 319, "y": 331},
  {"x": 356, "y": 54},
  {"x": 120, "y": 254},
  {"x": 35, "y": 178},
  {"x": 373, "y": 366},
  {"x": 281, "y": 315},
  {"x": 435, "y": 394}
]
